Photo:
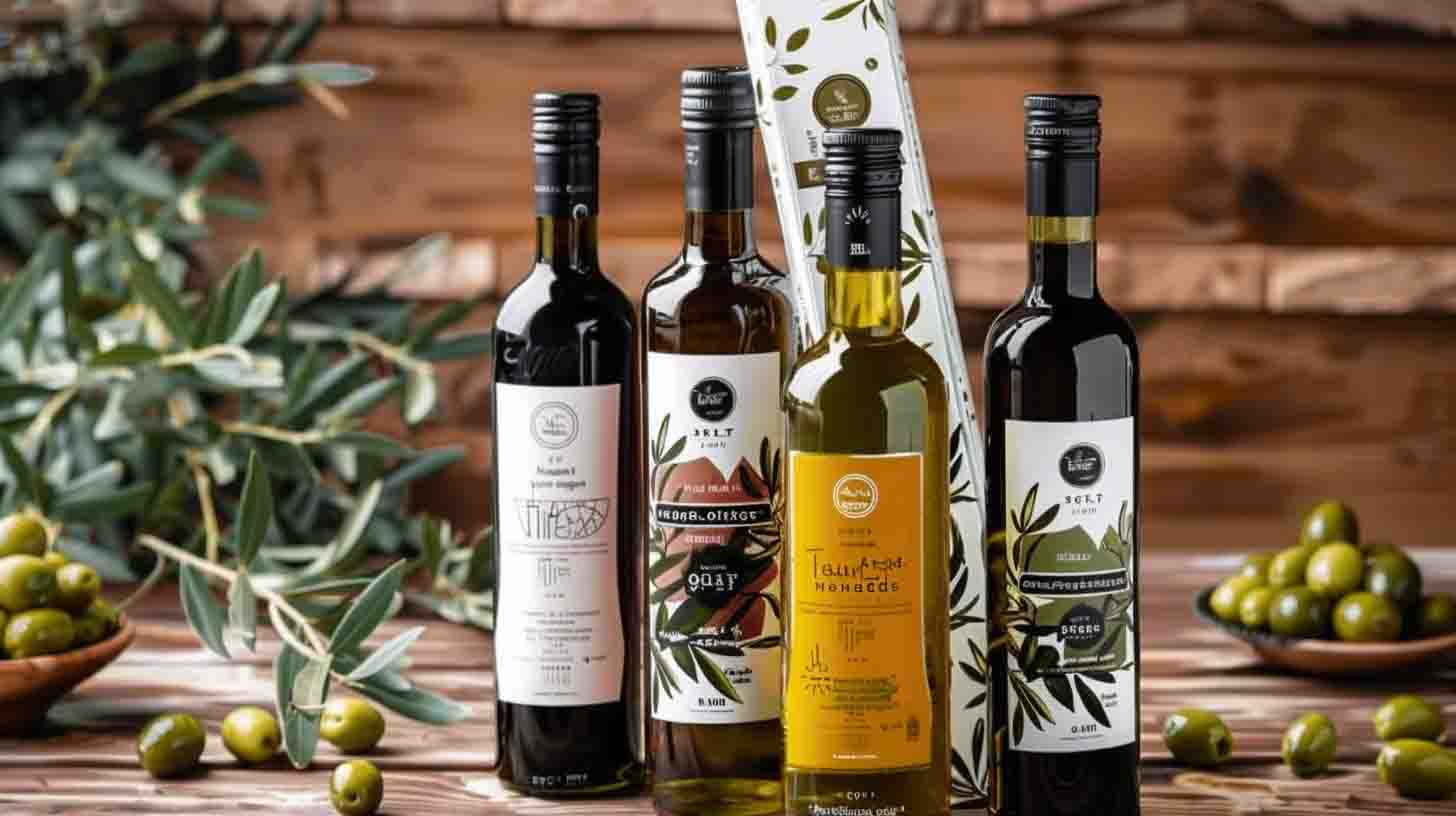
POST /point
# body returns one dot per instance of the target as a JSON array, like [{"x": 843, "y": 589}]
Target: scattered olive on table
[
  {"x": 251, "y": 734},
  {"x": 1309, "y": 745},
  {"x": 356, "y": 788},
  {"x": 352, "y": 725},
  {"x": 1407, "y": 716},
  {"x": 1418, "y": 769},
  {"x": 171, "y": 745},
  {"x": 1197, "y": 737}
]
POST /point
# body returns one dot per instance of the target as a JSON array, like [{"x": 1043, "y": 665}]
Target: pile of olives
[
  {"x": 1329, "y": 582},
  {"x": 171, "y": 745},
  {"x": 1413, "y": 760},
  {"x": 47, "y": 605}
]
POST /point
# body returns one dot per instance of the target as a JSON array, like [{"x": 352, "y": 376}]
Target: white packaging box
[{"x": 840, "y": 63}]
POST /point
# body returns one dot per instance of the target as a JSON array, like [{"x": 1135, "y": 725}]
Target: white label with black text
[
  {"x": 1071, "y": 541},
  {"x": 558, "y": 633},
  {"x": 714, "y": 455}
]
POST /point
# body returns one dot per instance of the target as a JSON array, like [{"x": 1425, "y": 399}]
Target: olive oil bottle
[
  {"x": 568, "y": 589},
  {"x": 865, "y": 591},
  {"x": 718, "y": 343},
  {"x": 1062, "y": 500}
]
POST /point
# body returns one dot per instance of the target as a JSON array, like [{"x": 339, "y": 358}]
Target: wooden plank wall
[{"x": 1277, "y": 198}]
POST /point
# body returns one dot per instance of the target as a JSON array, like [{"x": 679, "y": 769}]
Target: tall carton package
[{"x": 819, "y": 64}]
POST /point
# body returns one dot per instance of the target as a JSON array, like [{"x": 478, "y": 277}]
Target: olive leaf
[
  {"x": 715, "y": 676},
  {"x": 387, "y": 654},
  {"x": 368, "y": 610},
  {"x": 972, "y": 672},
  {"x": 683, "y": 656},
  {"x": 243, "y": 611},
  {"x": 771, "y": 32},
  {"x": 203, "y": 613},
  {"x": 914, "y": 312},
  {"x": 785, "y": 92},
  {"x": 797, "y": 40},
  {"x": 844, "y": 11},
  {"x": 1018, "y": 725},
  {"x": 1061, "y": 690},
  {"x": 978, "y": 741},
  {"x": 1090, "y": 702}
]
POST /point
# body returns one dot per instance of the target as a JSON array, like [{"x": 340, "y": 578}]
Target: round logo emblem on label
[
  {"x": 712, "y": 399},
  {"x": 554, "y": 425},
  {"x": 1082, "y": 627},
  {"x": 842, "y": 101},
  {"x": 856, "y": 495},
  {"x": 1081, "y": 465}
]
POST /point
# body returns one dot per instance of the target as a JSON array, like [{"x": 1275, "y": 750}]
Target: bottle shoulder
[
  {"x": 1030, "y": 330},
  {"x": 836, "y": 366},
  {"x": 546, "y": 297}
]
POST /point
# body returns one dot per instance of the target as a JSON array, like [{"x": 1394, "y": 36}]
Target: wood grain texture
[
  {"x": 1212, "y": 146},
  {"x": 85, "y": 763},
  {"x": 941, "y": 16},
  {"x": 1389, "y": 18}
]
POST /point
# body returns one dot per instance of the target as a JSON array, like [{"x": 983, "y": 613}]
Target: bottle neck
[
  {"x": 1062, "y": 257},
  {"x": 862, "y": 290},
  {"x": 1061, "y": 205},
  {"x": 566, "y": 206},
  {"x": 567, "y": 243},
  {"x": 718, "y": 194}
]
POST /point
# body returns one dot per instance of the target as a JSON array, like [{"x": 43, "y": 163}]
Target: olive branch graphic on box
[{"x": 679, "y": 646}]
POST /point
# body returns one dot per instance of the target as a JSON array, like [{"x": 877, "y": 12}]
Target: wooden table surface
[{"x": 85, "y": 762}]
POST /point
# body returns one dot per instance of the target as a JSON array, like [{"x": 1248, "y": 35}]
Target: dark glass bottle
[
  {"x": 1062, "y": 501},
  {"x": 718, "y": 344},
  {"x": 866, "y": 694},
  {"x": 568, "y": 589}
]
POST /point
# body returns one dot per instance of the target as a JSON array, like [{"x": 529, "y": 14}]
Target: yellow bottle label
[{"x": 857, "y": 697}]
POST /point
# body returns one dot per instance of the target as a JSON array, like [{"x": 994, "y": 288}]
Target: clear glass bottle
[
  {"x": 718, "y": 343},
  {"x": 1062, "y": 503},
  {"x": 866, "y": 711},
  {"x": 568, "y": 589}
]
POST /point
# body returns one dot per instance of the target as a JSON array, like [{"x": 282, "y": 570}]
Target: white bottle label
[
  {"x": 558, "y": 633},
  {"x": 1070, "y": 529},
  {"x": 715, "y": 436}
]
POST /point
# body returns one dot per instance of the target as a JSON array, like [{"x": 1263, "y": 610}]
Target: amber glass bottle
[
  {"x": 1062, "y": 501},
  {"x": 568, "y": 590},
  {"x": 718, "y": 343}
]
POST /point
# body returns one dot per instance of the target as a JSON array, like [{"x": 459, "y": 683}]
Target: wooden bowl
[
  {"x": 28, "y": 688},
  {"x": 1331, "y": 658}
]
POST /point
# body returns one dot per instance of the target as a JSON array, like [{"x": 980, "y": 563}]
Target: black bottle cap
[
  {"x": 718, "y": 98},
  {"x": 562, "y": 119},
  {"x": 862, "y": 162},
  {"x": 1063, "y": 124}
]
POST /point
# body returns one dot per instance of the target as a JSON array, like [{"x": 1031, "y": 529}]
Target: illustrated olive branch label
[
  {"x": 1039, "y": 663},
  {"x": 868, "y": 9},
  {"x": 679, "y": 647},
  {"x": 796, "y": 41},
  {"x": 968, "y": 779}
]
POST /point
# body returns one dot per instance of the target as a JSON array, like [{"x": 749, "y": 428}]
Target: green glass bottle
[{"x": 866, "y": 712}]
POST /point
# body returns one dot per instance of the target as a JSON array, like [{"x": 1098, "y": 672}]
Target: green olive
[
  {"x": 1309, "y": 745},
  {"x": 1287, "y": 568},
  {"x": 39, "y": 632},
  {"x": 1437, "y": 616},
  {"x": 26, "y": 582},
  {"x": 1257, "y": 566},
  {"x": 251, "y": 734},
  {"x": 22, "y": 534},
  {"x": 352, "y": 725},
  {"x": 1418, "y": 769},
  {"x": 96, "y": 623},
  {"x": 1407, "y": 716},
  {"x": 1197, "y": 737},
  {"x": 4, "y": 622},
  {"x": 1254, "y": 608},
  {"x": 171, "y": 745},
  {"x": 56, "y": 559},
  {"x": 1395, "y": 576},
  {"x": 1374, "y": 548},
  {"x": 77, "y": 585},
  {"x": 1226, "y": 597},
  {"x": 1298, "y": 612},
  {"x": 1330, "y": 521},
  {"x": 1335, "y": 570},
  {"x": 1364, "y": 617},
  {"x": 356, "y": 788}
]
